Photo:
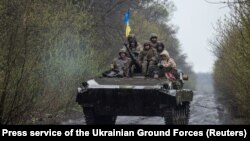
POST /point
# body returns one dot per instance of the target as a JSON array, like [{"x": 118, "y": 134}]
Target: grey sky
[{"x": 195, "y": 19}]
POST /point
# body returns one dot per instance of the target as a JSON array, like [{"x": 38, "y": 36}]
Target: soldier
[
  {"x": 147, "y": 58},
  {"x": 131, "y": 37},
  {"x": 153, "y": 40},
  {"x": 133, "y": 45},
  {"x": 119, "y": 67},
  {"x": 160, "y": 48},
  {"x": 168, "y": 65},
  {"x": 133, "y": 50}
]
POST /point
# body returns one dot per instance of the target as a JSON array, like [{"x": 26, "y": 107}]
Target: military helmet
[
  {"x": 123, "y": 50},
  {"x": 153, "y": 35},
  {"x": 131, "y": 36},
  {"x": 147, "y": 43}
]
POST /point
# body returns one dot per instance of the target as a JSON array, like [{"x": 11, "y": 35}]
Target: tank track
[
  {"x": 91, "y": 118},
  {"x": 178, "y": 115}
]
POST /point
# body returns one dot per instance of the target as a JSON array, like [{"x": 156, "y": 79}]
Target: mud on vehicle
[{"x": 103, "y": 99}]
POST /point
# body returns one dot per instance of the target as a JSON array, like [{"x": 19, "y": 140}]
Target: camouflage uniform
[
  {"x": 120, "y": 65},
  {"x": 147, "y": 58},
  {"x": 153, "y": 44},
  {"x": 136, "y": 48}
]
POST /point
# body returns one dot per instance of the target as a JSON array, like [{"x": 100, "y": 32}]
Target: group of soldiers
[{"x": 151, "y": 59}]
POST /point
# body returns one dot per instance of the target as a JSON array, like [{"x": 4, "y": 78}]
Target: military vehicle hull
[{"x": 103, "y": 99}]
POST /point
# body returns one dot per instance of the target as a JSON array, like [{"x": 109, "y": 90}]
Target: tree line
[
  {"x": 232, "y": 68},
  {"x": 48, "y": 47}
]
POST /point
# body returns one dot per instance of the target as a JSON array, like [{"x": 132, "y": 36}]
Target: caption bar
[{"x": 121, "y": 132}]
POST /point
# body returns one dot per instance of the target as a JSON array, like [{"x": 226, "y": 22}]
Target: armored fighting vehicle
[{"x": 103, "y": 99}]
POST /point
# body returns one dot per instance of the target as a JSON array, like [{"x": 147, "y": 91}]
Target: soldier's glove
[{"x": 160, "y": 66}]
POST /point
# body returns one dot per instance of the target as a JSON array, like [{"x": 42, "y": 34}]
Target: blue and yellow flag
[{"x": 126, "y": 20}]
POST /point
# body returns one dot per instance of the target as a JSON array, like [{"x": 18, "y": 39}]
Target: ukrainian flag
[{"x": 126, "y": 20}]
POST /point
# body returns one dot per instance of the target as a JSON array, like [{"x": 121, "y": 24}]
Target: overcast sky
[{"x": 195, "y": 19}]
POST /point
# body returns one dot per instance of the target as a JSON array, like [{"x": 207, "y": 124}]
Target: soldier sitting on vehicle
[
  {"x": 133, "y": 44},
  {"x": 119, "y": 67},
  {"x": 130, "y": 38},
  {"x": 133, "y": 51},
  {"x": 147, "y": 58},
  {"x": 153, "y": 40},
  {"x": 160, "y": 47},
  {"x": 167, "y": 66}
]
